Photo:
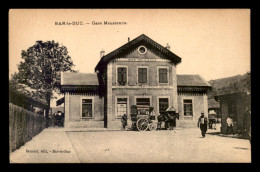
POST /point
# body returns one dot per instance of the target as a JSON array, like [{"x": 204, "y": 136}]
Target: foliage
[
  {"x": 239, "y": 83},
  {"x": 15, "y": 86},
  {"x": 42, "y": 65},
  {"x": 41, "y": 68}
]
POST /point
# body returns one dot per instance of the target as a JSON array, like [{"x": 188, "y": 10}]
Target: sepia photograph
[{"x": 129, "y": 86}]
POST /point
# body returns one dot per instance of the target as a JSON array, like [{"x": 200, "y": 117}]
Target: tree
[{"x": 43, "y": 63}]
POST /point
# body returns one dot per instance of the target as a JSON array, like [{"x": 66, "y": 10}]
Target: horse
[
  {"x": 169, "y": 119},
  {"x": 162, "y": 118}
]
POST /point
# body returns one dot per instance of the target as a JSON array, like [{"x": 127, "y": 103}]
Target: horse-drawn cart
[{"x": 143, "y": 118}]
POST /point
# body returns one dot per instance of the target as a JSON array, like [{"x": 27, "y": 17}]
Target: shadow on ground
[{"x": 237, "y": 136}]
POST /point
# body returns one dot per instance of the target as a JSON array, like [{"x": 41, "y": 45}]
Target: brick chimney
[
  {"x": 168, "y": 46},
  {"x": 102, "y": 53},
  {"x": 128, "y": 39}
]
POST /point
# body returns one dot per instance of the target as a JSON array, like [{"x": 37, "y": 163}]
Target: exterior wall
[
  {"x": 132, "y": 67},
  {"x": 66, "y": 109},
  {"x": 73, "y": 111},
  {"x": 224, "y": 115},
  {"x": 198, "y": 104},
  {"x": 174, "y": 85},
  {"x": 109, "y": 96},
  {"x": 132, "y": 90},
  {"x": 240, "y": 106},
  {"x": 240, "y": 114},
  {"x": 132, "y": 94}
]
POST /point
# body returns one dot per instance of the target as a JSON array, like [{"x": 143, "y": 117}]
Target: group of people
[
  {"x": 170, "y": 121},
  {"x": 58, "y": 119},
  {"x": 202, "y": 124}
]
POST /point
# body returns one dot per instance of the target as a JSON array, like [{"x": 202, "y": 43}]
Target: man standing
[
  {"x": 203, "y": 124},
  {"x": 229, "y": 125},
  {"x": 124, "y": 121}
]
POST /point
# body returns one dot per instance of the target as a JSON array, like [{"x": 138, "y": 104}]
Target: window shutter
[
  {"x": 124, "y": 75},
  {"x": 165, "y": 76},
  {"x": 144, "y": 75},
  {"x": 119, "y": 75},
  {"x": 160, "y": 76},
  {"x": 140, "y": 75}
]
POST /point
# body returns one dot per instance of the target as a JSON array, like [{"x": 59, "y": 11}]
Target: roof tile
[
  {"x": 191, "y": 80},
  {"x": 80, "y": 79},
  {"x": 91, "y": 79}
]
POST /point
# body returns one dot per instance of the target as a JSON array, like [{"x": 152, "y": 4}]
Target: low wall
[
  {"x": 84, "y": 124},
  {"x": 23, "y": 126},
  {"x": 186, "y": 123}
]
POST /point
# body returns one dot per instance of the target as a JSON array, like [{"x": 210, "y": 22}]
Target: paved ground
[
  {"x": 184, "y": 145},
  {"x": 48, "y": 140}
]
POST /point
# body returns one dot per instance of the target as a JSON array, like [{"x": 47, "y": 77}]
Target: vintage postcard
[{"x": 129, "y": 86}]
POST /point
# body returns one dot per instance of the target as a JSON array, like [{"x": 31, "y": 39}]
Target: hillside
[{"x": 238, "y": 83}]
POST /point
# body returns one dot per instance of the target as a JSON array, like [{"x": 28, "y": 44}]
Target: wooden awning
[
  {"x": 60, "y": 101},
  {"x": 201, "y": 89},
  {"x": 76, "y": 89}
]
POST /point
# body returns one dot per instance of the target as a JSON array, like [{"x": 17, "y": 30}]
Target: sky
[{"x": 213, "y": 43}]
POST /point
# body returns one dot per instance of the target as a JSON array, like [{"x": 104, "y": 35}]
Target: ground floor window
[
  {"x": 87, "y": 108},
  {"x": 143, "y": 101},
  {"x": 187, "y": 107},
  {"x": 121, "y": 107},
  {"x": 163, "y": 104}
]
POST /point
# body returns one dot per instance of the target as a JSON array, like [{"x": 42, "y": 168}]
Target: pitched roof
[
  {"x": 79, "y": 79},
  {"x": 212, "y": 103},
  {"x": 91, "y": 79},
  {"x": 230, "y": 85},
  {"x": 26, "y": 93},
  {"x": 132, "y": 45},
  {"x": 191, "y": 80},
  {"x": 19, "y": 98}
]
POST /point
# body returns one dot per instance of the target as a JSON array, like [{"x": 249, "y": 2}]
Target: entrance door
[{"x": 121, "y": 107}]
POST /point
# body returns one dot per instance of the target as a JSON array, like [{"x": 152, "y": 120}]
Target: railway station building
[{"x": 141, "y": 72}]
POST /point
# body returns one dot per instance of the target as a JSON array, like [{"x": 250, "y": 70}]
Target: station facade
[{"x": 141, "y": 72}]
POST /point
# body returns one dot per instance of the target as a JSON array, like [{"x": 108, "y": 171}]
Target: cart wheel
[
  {"x": 152, "y": 126},
  {"x": 142, "y": 124}
]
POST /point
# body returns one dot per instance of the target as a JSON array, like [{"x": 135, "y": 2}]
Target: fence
[{"x": 23, "y": 126}]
